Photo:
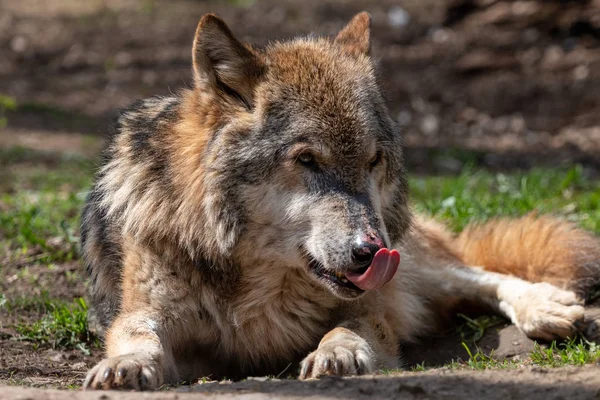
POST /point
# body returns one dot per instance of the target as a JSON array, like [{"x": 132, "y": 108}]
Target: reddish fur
[{"x": 534, "y": 248}]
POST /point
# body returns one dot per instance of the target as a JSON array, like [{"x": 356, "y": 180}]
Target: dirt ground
[
  {"x": 502, "y": 83},
  {"x": 541, "y": 384}
]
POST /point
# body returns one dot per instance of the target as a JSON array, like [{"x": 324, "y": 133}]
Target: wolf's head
[{"x": 304, "y": 168}]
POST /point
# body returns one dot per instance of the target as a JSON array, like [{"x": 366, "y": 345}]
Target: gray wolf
[{"x": 262, "y": 219}]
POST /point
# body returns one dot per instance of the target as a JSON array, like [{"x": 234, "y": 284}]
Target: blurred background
[{"x": 516, "y": 83}]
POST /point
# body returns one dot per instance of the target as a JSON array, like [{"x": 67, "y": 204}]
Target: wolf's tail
[{"x": 535, "y": 248}]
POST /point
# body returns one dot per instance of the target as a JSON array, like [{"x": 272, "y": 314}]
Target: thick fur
[
  {"x": 534, "y": 248},
  {"x": 212, "y": 209}
]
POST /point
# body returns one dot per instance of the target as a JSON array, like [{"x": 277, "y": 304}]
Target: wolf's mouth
[
  {"x": 382, "y": 269},
  {"x": 333, "y": 277}
]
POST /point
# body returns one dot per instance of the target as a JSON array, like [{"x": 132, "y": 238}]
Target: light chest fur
[{"x": 269, "y": 315}]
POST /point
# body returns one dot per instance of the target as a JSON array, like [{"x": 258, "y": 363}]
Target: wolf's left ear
[
  {"x": 355, "y": 38},
  {"x": 222, "y": 63}
]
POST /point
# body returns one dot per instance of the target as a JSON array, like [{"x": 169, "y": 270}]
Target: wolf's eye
[
  {"x": 307, "y": 159},
  {"x": 376, "y": 160}
]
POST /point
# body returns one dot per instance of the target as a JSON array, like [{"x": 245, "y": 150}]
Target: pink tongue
[{"x": 381, "y": 271}]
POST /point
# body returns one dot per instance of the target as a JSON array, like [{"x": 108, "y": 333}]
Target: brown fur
[
  {"x": 534, "y": 248},
  {"x": 221, "y": 218}
]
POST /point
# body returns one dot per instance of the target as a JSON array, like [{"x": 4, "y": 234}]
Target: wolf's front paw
[
  {"x": 130, "y": 371},
  {"x": 544, "y": 311},
  {"x": 343, "y": 353}
]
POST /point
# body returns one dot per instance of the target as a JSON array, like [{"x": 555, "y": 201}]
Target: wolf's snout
[
  {"x": 374, "y": 264},
  {"x": 363, "y": 253}
]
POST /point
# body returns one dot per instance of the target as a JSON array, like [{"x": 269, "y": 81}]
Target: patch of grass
[
  {"x": 481, "y": 361},
  {"x": 572, "y": 352},
  {"x": 419, "y": 367},
  {"x": 577, "y": 351},
  {"x": 477, "y": 195},
  {"x": 39, "y": 304},
  {"x": 40, "y": 205},
  {"x": 40, "y": 229},
  {"x": 44, "y": 171},
  {"x": 390, "y": 371},
  {"x": 64, "y": 326}
]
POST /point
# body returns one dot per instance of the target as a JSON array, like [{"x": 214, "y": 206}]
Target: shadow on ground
[{"x": 532, "y": 384}]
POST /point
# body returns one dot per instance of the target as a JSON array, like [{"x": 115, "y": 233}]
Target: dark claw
[
  {"x": 360, "y": 367},
  {"x": 107, "y": 374},
  {"x": 580, "y": 325},
  {"x": 326, "y": 365},
  {"x": 143, "y": 381},
  {"x": 122, "y": 373},
  {"x": 338, "y": 367},
  {"x": 305, "y": 370}
]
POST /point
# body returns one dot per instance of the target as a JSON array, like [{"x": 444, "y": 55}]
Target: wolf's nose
[{"x": 363, "y": 253}]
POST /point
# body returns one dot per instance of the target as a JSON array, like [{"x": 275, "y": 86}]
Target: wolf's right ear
[{"x": 222, "y": 63}]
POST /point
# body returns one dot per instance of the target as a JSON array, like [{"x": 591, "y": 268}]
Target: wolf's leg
[
  {"x": 360, "y": 346},
  {"x": 534, "y": 248},
  {"x": 136, "y": 356},
  {"x": 157, "y": 314},
  {"x": 539, "y": 249},
  {"x": 537, "y": 271},
  {"x": 540, "y": 310}
]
